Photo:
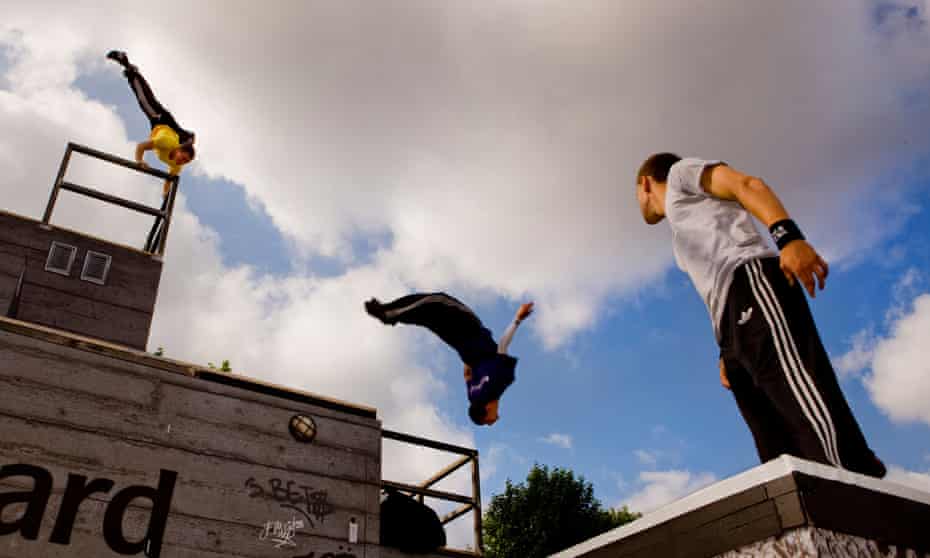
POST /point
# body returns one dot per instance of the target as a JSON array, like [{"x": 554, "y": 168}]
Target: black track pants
[
  {"x": 448, "y": 318},
  {"x": 154, "y": 111},
  {"x": 781, "y": 376}
]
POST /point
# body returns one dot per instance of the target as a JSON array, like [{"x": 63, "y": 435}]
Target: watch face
[{"x": 302, "y": 428}]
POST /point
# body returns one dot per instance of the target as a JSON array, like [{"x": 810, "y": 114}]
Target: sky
[{"x": 353, "y": 149}]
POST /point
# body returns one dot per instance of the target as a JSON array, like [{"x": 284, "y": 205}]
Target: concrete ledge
[
  {"x": 120, "y": 352},
  {"x": 784, "y": 494}
]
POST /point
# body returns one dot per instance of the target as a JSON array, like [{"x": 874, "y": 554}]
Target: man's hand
[
  {"x": 142, "y": 164},
  {"x": 524, "y": 311},
  {"x": 724, "y": 381},
  {"x": 799, "y": 259}
]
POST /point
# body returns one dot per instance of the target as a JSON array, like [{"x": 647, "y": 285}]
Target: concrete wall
[
  {"x": 119, "y": 311},
  {"x": 244, "y": 487},
  {"x": 811, "y": 542}
]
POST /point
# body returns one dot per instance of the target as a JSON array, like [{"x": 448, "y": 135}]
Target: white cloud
[
  {"x": 645, "y": 457},
  {"x": 899, "y": 382},
  {"x": 859, "y": 357},
  {"x": 914, "y": 479},
  {"x": 657, "y": 488},
  {"x": 561, "y": 440},
  {"x": 300, "y": 330},
  {"x": 494, "y": 147}
]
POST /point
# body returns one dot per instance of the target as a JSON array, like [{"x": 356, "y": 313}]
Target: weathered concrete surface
[
  {"x": 811, "y": 542},
  {"x": 73, "y": 407},
  {"x": 119, "y": 311}
]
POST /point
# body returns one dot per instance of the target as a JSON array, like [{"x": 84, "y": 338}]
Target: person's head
[
  {"x": 183, "y": 154},
  {"x": 650, "y": 185},
  {"x": 484, "y": 414}
]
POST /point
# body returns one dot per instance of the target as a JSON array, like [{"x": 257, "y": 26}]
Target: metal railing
[
  {"x": 158, "y": 235},
  {"x": 469, "y": 503}
]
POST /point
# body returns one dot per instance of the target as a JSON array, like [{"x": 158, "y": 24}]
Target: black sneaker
[
  {"x": 376, "y": 309},
  {"x": 877, "y": 468},
  {"x": 119, "y": 57}
]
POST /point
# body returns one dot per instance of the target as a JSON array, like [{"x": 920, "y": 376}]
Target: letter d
[{"x": 161, "y": 506}]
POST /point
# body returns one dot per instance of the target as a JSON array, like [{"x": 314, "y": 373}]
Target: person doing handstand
[{"x": 172, "y": 144}]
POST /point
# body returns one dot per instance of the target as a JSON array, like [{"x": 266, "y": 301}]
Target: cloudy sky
[{"x": 354, "y": 149}]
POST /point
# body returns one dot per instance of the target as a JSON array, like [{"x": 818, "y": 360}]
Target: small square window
[
  {"x": 60, "y": 258},
  {"x": 96, "y": 267}
]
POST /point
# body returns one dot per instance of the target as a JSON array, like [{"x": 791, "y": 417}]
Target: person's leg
[
  {"x": 756, "y": 346},
  {"x": 149, "y": 104},
  {"x": 792, "y": 367},
  {"x": 447, "y": 317},
  {"x": 806, "y": 349},
  {"x": 768, "y": 430}
]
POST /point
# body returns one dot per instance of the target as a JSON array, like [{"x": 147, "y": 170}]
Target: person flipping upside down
[
  {"x": 173, "y": 145},
  {"x": 489, "y": 370}
]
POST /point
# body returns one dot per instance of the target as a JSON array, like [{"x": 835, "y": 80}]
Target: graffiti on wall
[
  {"x": 281, "y": 533},
  {"x": 312, "y": 504}
]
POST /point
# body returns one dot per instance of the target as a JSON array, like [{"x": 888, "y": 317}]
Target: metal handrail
[
  {"x": 155, "y": 244},
  {"x": 470, "y": 503}
]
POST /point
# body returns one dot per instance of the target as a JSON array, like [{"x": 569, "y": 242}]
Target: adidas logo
[{"x": 744, "y": 316}]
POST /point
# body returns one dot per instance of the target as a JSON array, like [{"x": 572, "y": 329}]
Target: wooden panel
[
  {"x": 7, "y": 290},
  {"x": 750, "y": 525},
  {"x": 685, "y": 527},
  {"x": 388, "y": 552},
  {"x": 138, "y": 408},
  {"x": 30, "y": 233},
  {"x": 865, "y": 513},
  {"x": 85, "y": 316},
  {"x": 42, "y": 342},
  {"x": 271, "y": 421},
  {"x": 185, "y": 537},
  {"x": 11, "y": 263},
  {"x": 131, "y": 282},
  {"x": 207, "y": 487}
]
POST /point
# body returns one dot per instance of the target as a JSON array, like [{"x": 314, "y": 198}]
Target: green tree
[{"x": 553, "y": 510}]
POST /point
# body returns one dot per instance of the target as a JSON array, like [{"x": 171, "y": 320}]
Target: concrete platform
[
  {"x": 85, "y": 423},
  {"x": 786, "y": 507}
]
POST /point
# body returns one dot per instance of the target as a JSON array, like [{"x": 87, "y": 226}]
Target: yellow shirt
[{"x": 165, "y": 140}]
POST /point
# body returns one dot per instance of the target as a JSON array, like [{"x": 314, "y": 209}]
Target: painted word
[
  {"x": 339, "y": 554},
  {"x": 76, "y": 491},
  {"x": 281, "y": 533},
  {"x": 312, "y": 504}
]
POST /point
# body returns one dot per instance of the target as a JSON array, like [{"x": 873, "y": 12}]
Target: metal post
[
  {"x": 476, "y": 494},
  {"x": 172, "y": 191},
  {"x": 61, "y": 174}
]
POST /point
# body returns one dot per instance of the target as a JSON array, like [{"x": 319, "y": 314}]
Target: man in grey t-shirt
[{"x": 771, "y": 356}]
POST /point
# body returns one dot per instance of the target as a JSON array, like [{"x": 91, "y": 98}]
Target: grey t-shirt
[{"x": 712, "y": 236}]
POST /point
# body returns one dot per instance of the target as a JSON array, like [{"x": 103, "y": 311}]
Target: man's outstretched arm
[
  {"x": 522, "y": 313},
  {"x": 141, "y": 148},
  {"x": 798, "y": 258}
]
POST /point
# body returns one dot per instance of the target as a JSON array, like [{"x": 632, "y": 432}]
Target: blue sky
[
  {"x": 500, "y": 169},
  {"x": 643, "y": 380}
]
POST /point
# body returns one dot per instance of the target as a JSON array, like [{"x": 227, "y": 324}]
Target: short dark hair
[
  {"x": 657, "y": 166},
  {"x": 477, "y": 413},
  {"x": 189, "y": 149}
]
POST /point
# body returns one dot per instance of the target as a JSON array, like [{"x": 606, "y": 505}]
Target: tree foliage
[
  {"x": 553, "y": 510},
  {"x": 223, "y": 367}
]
